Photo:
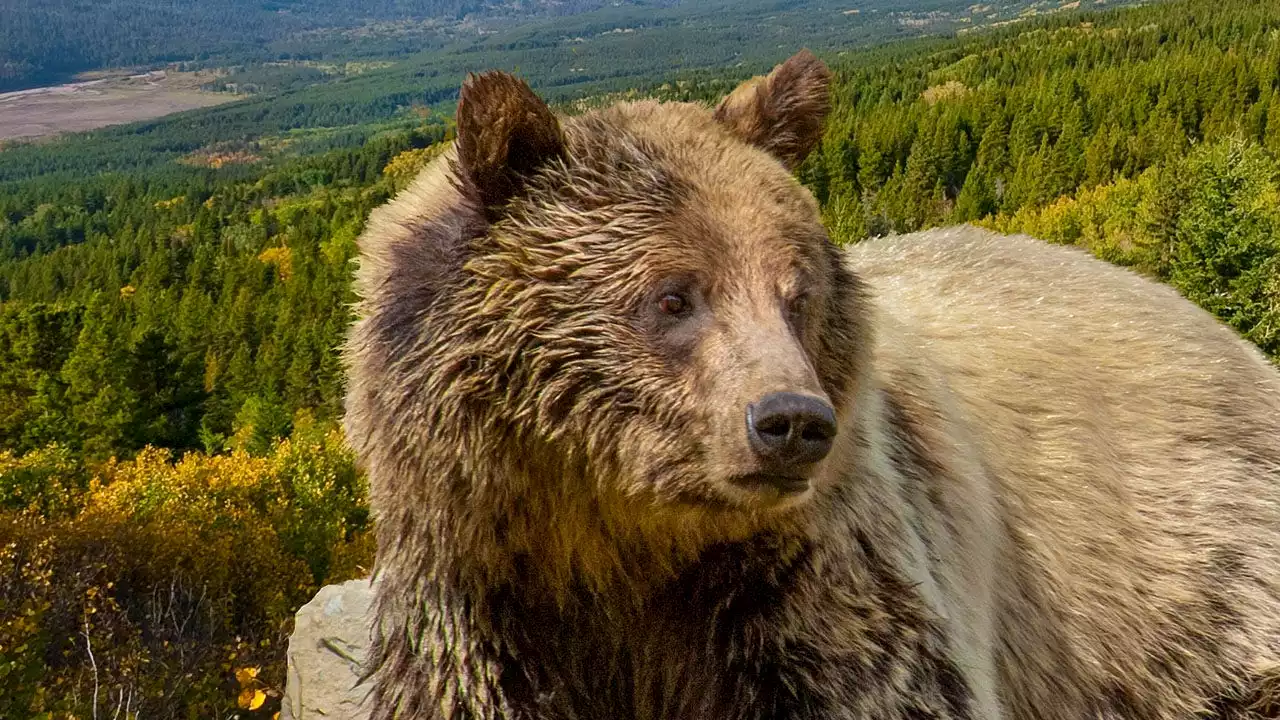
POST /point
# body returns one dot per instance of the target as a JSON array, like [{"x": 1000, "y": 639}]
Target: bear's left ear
[
  {"x": 505, "y": 133},
  {"x": 781, "y": 113}
]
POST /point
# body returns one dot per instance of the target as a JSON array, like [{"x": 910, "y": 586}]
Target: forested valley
[
  {"x": 285, "y": 43},
  {"x": 173, "y": 481},
  {"x": 48, "y": 41}
]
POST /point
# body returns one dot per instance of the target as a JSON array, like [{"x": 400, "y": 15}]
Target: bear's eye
[
  {"x": 797, "y": 312},
  {"x": 797, "y": 306},
  {"x": 673, "y": 304}
]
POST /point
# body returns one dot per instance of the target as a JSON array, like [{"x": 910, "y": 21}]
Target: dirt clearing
[{"x": 95, "y": 103}]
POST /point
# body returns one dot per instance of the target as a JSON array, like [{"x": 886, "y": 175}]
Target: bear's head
[{"x": 635, "y": 304}]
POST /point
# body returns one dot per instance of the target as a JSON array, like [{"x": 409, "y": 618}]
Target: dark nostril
[
  {"x": 790, "y": 428},
  {"x": 816, "y": 431},
  {"x": 779, "y": 425}
]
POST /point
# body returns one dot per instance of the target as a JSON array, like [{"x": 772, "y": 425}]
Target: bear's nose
[{"x": 790, "y": 429}]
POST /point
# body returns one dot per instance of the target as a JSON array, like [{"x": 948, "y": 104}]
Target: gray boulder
[{"x": 329, "y": 642}]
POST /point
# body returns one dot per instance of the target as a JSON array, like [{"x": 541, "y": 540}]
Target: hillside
[
  {"x": 384, "y": 70},
  {"x": 47, "y": 42},
  {"x": 176, "y": 290},
  {"x": 50, "y": 42}
]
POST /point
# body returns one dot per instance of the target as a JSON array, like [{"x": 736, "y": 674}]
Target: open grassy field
[{"x": 103, "y": 100}]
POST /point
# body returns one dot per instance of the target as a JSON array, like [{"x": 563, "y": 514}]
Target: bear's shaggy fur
[{"x": 1054, "y": 490}]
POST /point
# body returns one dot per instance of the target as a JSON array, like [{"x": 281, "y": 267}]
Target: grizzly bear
[{"x": 644, "y": 443}]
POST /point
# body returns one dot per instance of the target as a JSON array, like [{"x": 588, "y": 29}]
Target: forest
[
  {"x": 301, "y": 102},
  {"x": 173, "y": 482},
  {"x": 50, "y": 42},
  {"x": 46, "y": 42}
]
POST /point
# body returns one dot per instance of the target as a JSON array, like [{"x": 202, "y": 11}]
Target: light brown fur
[
  {"x": 1053, "y": 493},
  {"x": 1136, "y": 441}
]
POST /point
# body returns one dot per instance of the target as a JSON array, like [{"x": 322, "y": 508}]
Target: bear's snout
[{"x": 787, "y": 429}]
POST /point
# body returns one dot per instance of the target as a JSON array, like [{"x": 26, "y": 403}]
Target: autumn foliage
[{"x": 164, "y": 587}]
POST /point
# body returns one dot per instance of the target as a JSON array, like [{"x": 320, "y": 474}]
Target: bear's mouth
[{"x": 784, "y": 485}]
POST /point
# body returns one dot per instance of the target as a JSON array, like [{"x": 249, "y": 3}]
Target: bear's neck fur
[
  {"x": 611, "y": 616},
  {"x": 561, "y": 535}
]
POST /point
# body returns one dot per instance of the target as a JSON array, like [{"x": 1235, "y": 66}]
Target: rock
[{"x": 329, "y": 642}]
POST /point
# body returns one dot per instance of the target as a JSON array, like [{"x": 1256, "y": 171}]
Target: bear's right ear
[
  {"x": 505, "y": 133},
  {"x": 783, "y": 112}
]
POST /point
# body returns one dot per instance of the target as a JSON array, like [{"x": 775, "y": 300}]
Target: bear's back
[{"x": 1135, "y": 442}]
